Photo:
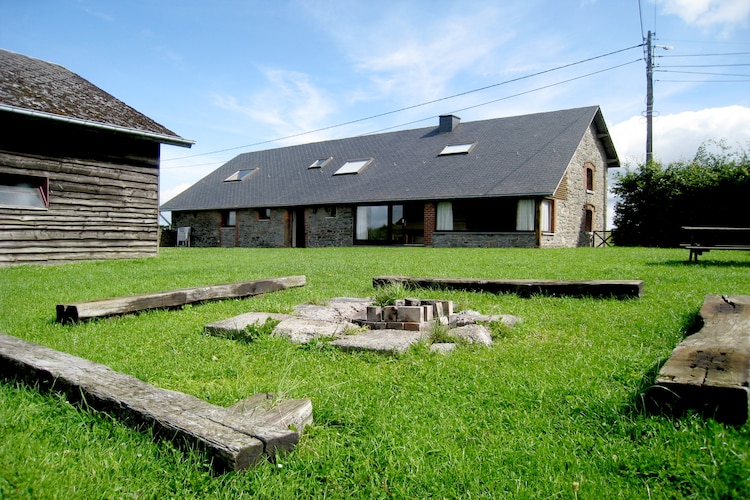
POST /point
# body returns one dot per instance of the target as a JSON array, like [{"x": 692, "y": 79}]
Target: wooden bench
[
  {"x": 235, "y": 438},
  {"x": 704, "y": 239},
  {"x": 709, "y": 370}
]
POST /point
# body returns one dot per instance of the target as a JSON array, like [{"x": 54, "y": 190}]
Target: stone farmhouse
[
  {"x": 79, "y": 169},
  {"x": 538, "y": 180}
]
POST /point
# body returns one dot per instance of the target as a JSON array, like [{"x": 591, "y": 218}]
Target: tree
[{"x": 656, "y": 201}]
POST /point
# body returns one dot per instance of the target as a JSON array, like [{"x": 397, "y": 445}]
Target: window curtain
[
  {"x": 444, "y": 216},
  {"x": 525, "y": 215},
  {"x": 362, "y": 222}
]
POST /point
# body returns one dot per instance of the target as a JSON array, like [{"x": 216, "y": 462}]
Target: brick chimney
[{"x": 448, "y": 123}]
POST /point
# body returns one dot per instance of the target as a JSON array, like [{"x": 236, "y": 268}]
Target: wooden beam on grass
[
  {"x": 709, "y": 371},
  {"x": 525, "y": 287},
  {"x": 235, "y": 438},
  {"x": 81, "y": 311}
]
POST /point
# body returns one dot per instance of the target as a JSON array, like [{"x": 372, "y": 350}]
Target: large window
[
  {"x": 485, "y": 215},
  {"x": 24, "y": 192},
  {"x": 381, "y": 224}
]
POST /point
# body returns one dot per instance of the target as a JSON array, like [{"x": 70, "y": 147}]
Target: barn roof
[
  {"x": 39, "y": 88},
  {"x": 517, "y": 156}
]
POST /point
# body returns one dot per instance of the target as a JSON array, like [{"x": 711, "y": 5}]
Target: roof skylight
[
  {"x": 321, "y": 163},
  {"x": 240, "y": 175},
  {"x": 353, "y": 166},
  {"x": 457, "y": 149}
]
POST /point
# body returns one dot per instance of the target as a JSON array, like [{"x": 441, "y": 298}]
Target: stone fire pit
[
  {"x": 408, "y": 314},
  {"x": 356, "y": 324}
]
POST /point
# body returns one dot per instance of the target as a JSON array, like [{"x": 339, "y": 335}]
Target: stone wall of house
[
  {"x": 263, "y": 233},
  {"x": 460, "y": 239},
  {"x": 205, "y": 226},
  {"x": 572, "y": 197},
  {"x": 329, "y": 226}
]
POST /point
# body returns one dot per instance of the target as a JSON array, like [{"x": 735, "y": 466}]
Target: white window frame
[
  {"x": 547, "y": 216},
  {"x": 241, "y": 175},
  {"x": 353, "y": 166},
  {"x": 457, "y": 149}
]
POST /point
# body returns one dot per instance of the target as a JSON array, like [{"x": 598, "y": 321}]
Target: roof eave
[
  {"x": 172, "y": 140},
  {"x": 612, "y": 160}
]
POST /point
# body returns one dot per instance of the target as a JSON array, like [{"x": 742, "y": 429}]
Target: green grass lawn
[{"x": 549, "y": 411}]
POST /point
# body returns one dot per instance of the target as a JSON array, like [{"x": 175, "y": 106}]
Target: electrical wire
[
  {"x": 700, "y": 73},
  {"x": 379, "y": 115},
  {"x": 507, "y": 97}
]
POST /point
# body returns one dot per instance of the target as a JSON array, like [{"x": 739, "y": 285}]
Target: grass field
[{"x": 549, "y": 411}]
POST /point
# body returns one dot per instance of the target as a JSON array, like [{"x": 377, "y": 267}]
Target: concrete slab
[
  {"x": 380, "y": 341},
  {"x": 303, "y": 330},
  {"x": 237, "y": 324}
]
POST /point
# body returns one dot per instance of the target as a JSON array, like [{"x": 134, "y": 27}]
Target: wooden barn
[{"x": 79, "y": 169}]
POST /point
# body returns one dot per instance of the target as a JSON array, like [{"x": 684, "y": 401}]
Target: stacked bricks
[{"x": 408, "y": 314}]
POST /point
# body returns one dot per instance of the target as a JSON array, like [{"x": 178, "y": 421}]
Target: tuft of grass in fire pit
[
  {"x": 440, "y": 333},
  {"x": 498, "y": 330},
  {"x": 388, "y": 294},
  {"x": 252, "y": 332}
]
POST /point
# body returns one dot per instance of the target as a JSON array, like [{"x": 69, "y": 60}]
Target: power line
[
  {"x": 702, "y": 81},
  {"x": 701, "y": 73},
  {"x": 505, "y": 98},
  {"x": 379, "y": 115},
  {"x": 705, "y": 65},
  {"x": 640, "y": 15},
  {"x": 706, "y": 55}
]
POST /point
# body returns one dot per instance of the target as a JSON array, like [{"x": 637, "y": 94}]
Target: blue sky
[{"x": 237, "y": 76}]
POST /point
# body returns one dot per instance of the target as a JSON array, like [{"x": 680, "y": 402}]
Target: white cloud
[
  {"x": 289, "y": 104},
  {"x": 180, "y": 168},
  {"x": 173, "y": 191},
  {"x": 709, "y": 13},
  {"x": 678, "y": 136},
  {"x": 409, "y": 53}
]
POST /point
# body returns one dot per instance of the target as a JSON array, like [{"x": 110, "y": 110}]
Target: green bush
[{"x": 656, "y": 201}]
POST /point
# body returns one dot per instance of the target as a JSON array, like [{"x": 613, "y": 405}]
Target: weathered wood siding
[{"x": 103, "y": 194}]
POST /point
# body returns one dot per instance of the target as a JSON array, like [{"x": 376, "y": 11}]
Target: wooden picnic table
[{"x": 707, "y": 238}]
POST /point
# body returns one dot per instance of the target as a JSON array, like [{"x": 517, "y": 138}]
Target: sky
[{"x": 246, "y": 75}]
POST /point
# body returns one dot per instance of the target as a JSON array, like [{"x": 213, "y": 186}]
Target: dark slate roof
[
  {"x": 518, "y": 156},
  {"x": 32, "y": 86}
]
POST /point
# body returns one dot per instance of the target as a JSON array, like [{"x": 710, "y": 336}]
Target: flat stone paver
[
  {"x": 303, "y": 330},
  {"x": 380, "y": 341},
  {"x": 238, "y": 324}
]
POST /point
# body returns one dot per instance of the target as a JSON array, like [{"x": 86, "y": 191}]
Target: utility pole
[{"x": 649, "y": 100}]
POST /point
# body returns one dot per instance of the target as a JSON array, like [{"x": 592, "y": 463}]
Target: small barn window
[
  {"x": 24, "y": 192},
  {"x": 241, "y": 175},
  {"x": 264, "y": 214},
  {"x": 457, "y": 149},
  {"x": 589, "y": 177},
  {"x": 588, "y": 220},
  {"x": 229, "y": 218},
  {"x": 353, "y": 166},
  {"x": 330, "y": 211},
  {"x": 321, "y": 162}
]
